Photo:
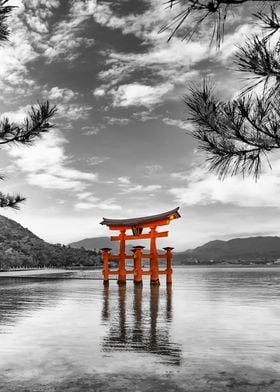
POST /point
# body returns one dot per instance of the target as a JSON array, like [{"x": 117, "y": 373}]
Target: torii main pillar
[{"x": 138, "y": 226}]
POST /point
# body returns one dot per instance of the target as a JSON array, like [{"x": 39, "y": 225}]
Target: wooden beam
[
  {"x": 116, "y": 257},
  {"x": 162, "y": 272},
  {"x": 113, "y": 272},
  {"x": 144, "y": 272},
  {"x": 144, "y": 256},
  {"x": 141, "y": 236}
]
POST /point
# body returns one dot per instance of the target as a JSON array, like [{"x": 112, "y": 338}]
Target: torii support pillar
[
  {"x": 137, "y": 250},
  {"x": 168, "y": 250},
  {"x": 122, "y": 255},
  {"x": 154, "y": 267},
  {"x": 105, "y": 257}
]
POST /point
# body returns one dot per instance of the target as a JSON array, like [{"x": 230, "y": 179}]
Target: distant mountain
[
  {"x": 98, "y": 243},
  {"x": 256, "y": 249},
  {"x": 93, "y": 243},
  {"x": 20, "y": 247},
  {"x": 238, "y": 250}
]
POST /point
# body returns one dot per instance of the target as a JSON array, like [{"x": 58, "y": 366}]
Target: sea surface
[{"x": 216, "y": 329}]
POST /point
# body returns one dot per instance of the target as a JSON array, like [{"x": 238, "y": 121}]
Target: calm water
[{"x": 218, "y": 329}]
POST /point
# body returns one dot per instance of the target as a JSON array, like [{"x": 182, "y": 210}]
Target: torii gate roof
[{"x": 172, "y": 214}]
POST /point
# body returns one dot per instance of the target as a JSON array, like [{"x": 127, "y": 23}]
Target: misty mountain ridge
[
  {"x": 20, "y": 247},
  {"x": 250, "y": 249}
]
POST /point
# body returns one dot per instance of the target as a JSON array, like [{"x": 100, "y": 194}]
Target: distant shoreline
[{"x": 61, "y": 272}]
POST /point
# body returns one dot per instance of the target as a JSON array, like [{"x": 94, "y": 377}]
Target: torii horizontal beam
[{"x": 140, "y": 236}]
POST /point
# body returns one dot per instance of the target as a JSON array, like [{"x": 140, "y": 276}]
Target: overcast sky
[{"x": 120, "y": 147}]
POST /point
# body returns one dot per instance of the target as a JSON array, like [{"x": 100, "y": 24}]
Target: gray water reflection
[
  {"x": 217, "y": 330},
  {"x": 142, "y": 327},
  {"x": 18, "y": 297}
]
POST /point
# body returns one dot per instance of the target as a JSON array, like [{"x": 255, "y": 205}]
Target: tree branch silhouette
[
  {"x": 34, "y": 125},
  {"x": 237, "y": 135}
]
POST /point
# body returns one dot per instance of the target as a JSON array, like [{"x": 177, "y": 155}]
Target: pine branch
[
  {"x": 236, "y": 135},
  {"x": 260, "y": 62},
  {"x": 11, "y": 201},
  {"x": 32, "y": 128},
  {"x": 202, "y": 10},
  {"x": 5, "y": 11},
  {"x": 271, "y": 22}
]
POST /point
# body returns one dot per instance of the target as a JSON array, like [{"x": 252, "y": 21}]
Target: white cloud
[
  {"x": 68, "y": 109},
  {"x": 231, "y": 41},
  {"x": 124, "y": 180},
  {"x": 42, "y": 3},
  {"x": 16, "y": 116},
  {"x": 90, "y": 201},
  {"x": 138, "y": 188},
  {"x": 127, "y": 186},
  {"x": 171, "y": 61},
  {"x": 99, "y": 92},
  {"x": 73, "y": 111},
  {"x": 144, "y": 115},
  {"x": 136, "y": 94},
  {"x": 164, "y": 60},
  {"x": 61, "y": 94},
  {"x": 85, "y": 195},
  {"x": 117, "y": 121},
  {"x": 45, "y": 164},
  {"x": 180, "y": 176},
  {"x": 204, "y": 188},
  {"x": 15, "y": 55},
  {"x": 56, "y": 180},
  {"x": 64, "y": 39},
  {"x": 150, "y": 170},
  {"x": 107, "y": 204},
  {"x": 92, "y": 161},
  {"x": 33, "y": 36},
  {"x": 90, "y": 130},
  {"x": 177, "y": 123},
  {"x": 144, "y": 25},
  {"x": 37, "y": 24},
  {"x": 84, "y": 206}
]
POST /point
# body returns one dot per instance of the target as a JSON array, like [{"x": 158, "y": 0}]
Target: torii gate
[{"x": 137, "y": 226}]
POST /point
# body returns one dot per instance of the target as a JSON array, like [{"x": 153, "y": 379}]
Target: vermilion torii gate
[{"x": 138, "y": 226}]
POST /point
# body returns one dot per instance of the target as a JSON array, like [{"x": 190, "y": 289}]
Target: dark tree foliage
[
  {"x": 5, "y": 11},
  {"x": 19, "y": 247},
  {"x": 237, "y": 135},
  {"x": 34, "y": 125}
]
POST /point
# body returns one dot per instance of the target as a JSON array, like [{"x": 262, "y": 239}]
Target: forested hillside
[{"x": 19, "y": 247}]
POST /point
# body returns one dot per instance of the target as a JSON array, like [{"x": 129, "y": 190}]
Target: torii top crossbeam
[{"x": 144, "y": 221}]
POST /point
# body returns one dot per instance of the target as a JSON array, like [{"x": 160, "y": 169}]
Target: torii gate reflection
[{"x": 143, "y": 327}]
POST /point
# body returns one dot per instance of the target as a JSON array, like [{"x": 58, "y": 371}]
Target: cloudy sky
[{"x": 120, "y": 148}]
